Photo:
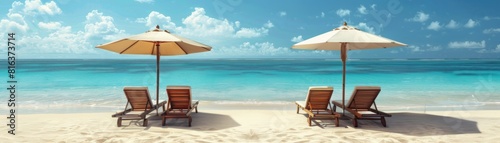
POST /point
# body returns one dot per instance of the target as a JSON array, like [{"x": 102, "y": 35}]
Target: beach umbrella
[
  {"x": 346, "y": 38},
  {"x": 156, "y": 42}
]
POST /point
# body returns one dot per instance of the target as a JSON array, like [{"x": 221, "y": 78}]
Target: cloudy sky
[{"x": 252, "y": 28}]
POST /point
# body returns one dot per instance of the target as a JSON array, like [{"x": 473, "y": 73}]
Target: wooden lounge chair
[
  {"x": 140, "y": 105},
  {"x": 180, "y": 104},
  {"x": 360, "y": 103},
  {"x": 317, "y": 104}
]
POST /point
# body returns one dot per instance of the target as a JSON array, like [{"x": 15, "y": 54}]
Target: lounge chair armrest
[
  {"x": 380, "y": 112},
  {"x": 195, "y": 104},
  {"x": 159, "y": 105},
  {"x": 143, "y": 114},
  {"x": 335, "y": 103},
  {"x": 121, "y": 113},
  {"x": 354, "y": 112},
  {"x": 189, "y": 112},
  {"x": 309, "y": 112}
]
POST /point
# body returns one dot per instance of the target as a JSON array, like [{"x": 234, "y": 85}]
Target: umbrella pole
[
  {"x": 157, "y": 75},
  {"x": 343, "y": 55}
]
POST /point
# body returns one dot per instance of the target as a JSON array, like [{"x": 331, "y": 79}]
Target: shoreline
[{"x": 243, "y": 105}]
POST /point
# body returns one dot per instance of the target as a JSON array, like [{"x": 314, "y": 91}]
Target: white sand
[{"x": 276, "y": 124}]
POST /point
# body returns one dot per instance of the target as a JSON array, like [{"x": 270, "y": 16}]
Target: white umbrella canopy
[
  {"x": 346, "y": 38},
  {"x": 353, "y": 37},
  {"x": 156, "y": 42}
]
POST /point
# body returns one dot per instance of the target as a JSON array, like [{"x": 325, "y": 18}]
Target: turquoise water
[{"x": 97, "y": 85}]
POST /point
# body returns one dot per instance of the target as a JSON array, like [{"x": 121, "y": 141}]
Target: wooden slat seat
[
  {"x": 361, "y": 101},
  {"x": 317, "y": 104},
  {"x": 140, "y": 105},
  {"x": 180, "y": 104}
]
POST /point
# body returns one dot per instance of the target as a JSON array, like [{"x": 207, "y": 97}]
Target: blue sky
[{"x": 252, "y": 28}]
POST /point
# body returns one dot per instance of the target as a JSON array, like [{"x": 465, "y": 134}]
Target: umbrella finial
[
  {"x": 157, "y": 26},
  {"x": 345, "y": 23}
]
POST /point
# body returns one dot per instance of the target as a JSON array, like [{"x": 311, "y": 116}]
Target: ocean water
[{"x": 46, "y": 86}]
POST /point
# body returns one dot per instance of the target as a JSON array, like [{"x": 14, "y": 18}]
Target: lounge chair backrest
[
  {"x": 179, "y": 97},
  {"x": 138, "y": 97},
  {"x": 319, "y": 96},
  {"x": 363, "y": 97}
]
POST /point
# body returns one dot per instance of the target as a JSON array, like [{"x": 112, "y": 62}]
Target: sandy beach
[{"x": 274, "y": 123}]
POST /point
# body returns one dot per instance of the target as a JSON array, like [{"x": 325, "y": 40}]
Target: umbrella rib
[
  {"x": 128, "y": 47},
  {"x": 153, "y": 49},
  {"x": 181, "y": 48}
]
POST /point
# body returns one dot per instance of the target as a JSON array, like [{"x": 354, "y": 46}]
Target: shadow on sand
[
  {"x": 417, "y": 124},
  {"x": 201, "y": 122}
]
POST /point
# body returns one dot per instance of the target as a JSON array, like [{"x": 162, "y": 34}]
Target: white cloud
[
  {"x": 467, "y": 44},
  {"x": 255, "y": 49},
  {"x": 362, "y": 10},
  {"x": 414, "y": 48},
  {"x": 262, "y": 50},
  {"x": 452, "y": 24},
  {"x": 419, "y": 17},
  {"x": 237, "y": 24},
  {"x": 373, "y": 6},
  {"x": 491, "y": 30},
  {"x": 198, "y": 24},
  {"x": 434, "y": 26},
  {"x": 145, "y": 1},
  {"x": 201, "y": 25},
  {"x": 433, "y": 48},
  {"x": 251, "y": 32},
  {"x": 268, "y": 24},
  {"x": 49, "y": 25},
  {"x": 98, "y": 26},
  {"x": 363, "y": 26},
  {"x": 497, "y": 49},
  {"x": 50, "y": 8},
  {"x": 62, "y": 41},
  {"x": 343, "y": 12},
  {"x": 322, "y": 15},
  {"x": 99, "y": 29},
  {"x": 282, "y": 13},
  {"x": 490, "y": 18},
  {"x": 297, "y": 39},
  {"x": 471, "y": 23},
  {"x": 155, "y": 18},
  {"x": 424, "y": 48},
  {"x": 14, "y": 23}
]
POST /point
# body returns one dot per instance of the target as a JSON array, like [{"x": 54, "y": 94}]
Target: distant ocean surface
[{"x": 46, "y": 86}]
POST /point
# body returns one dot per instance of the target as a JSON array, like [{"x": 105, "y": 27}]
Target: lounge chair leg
[
  {"x": 355, "y": 122},
  {"x": 297, "y": 109},
  {"x": 309, "y": 120},
  {"x": 337, "y": 122},
  {"x": 190, "y": 121},
  {"x": 383, "y": 121},
  {"x": 196, "y": 109},
  {"x": 145, "y": 123},
  {"x": 119, "y": 122},
  {"x": 163, "y": 122}
]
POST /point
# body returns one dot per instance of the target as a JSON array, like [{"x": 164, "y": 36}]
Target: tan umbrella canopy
[
  {"x": 346, "y": 38},
  {"x": 156, "y": 42}
]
